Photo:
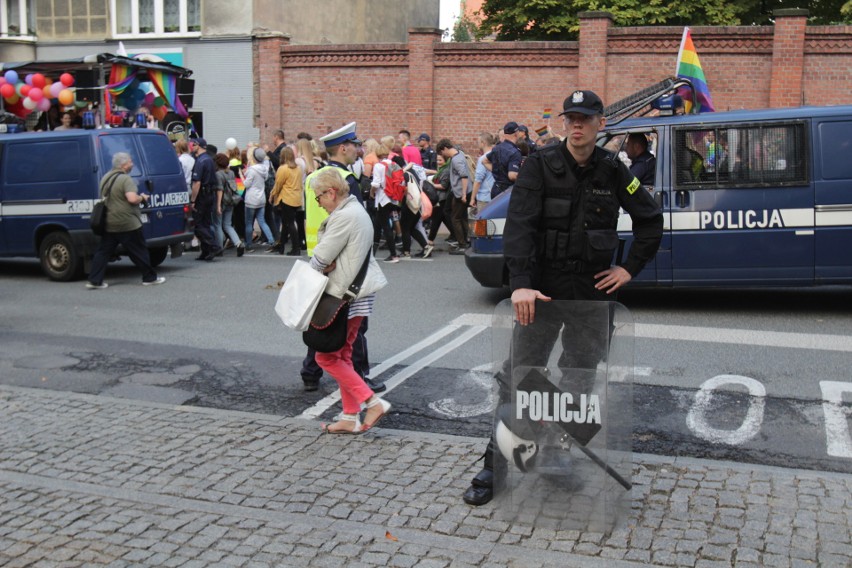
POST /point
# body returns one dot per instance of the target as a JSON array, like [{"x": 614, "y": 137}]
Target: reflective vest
[{"x": 314, "y": 214}]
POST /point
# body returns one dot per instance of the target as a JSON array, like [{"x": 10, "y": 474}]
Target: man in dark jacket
[{"x": 559, "y": 242}]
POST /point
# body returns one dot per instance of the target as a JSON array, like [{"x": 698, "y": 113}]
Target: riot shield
[{"x": 563, "y": 423}]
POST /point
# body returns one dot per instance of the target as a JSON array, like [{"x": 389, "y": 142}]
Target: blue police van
[
  {"x": 49, "y": 184},
  {"x": 750, "y": 198}
]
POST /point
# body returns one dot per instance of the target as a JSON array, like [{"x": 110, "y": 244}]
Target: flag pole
[{"x": 680, "y": 50}]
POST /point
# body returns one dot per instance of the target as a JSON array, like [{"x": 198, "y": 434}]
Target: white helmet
[{"x": 518, "y": 450}]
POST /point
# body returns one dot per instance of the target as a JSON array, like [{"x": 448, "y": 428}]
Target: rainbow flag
[
  {"x": 166, "y": 85},
  {"x": 120, "y": 77},
  {"x": 689, "y": 67},
  {"x": 546, "y": 113},
  {"x": 541, "y": 131}
]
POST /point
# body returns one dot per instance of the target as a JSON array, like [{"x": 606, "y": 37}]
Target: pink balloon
[
  {"x": 36, "y": 94},
  {"x": 55, "y": 89},
  {"x": 38, "y": 80},
  {"x": 43, "y": 105}
]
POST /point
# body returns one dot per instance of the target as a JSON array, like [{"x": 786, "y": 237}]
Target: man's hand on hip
[{"x": 612, "y": 279}]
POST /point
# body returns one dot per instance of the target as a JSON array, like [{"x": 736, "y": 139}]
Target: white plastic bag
[{"x": 300, "y": 295}]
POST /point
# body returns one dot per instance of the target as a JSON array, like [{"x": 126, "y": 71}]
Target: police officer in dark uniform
[
  {"x": 427, "y": 154},
  {"x": 559, "y": 241},
  {"x": 204, "y": 200},
  {"x": 643, "y": 164},
  {"x": 504, "y": 160}
]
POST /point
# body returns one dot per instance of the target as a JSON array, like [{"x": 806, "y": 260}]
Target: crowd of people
[{"x": 255, "y": 197}]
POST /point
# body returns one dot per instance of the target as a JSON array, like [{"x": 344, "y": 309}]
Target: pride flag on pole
[{"x": 688, "y": 67}]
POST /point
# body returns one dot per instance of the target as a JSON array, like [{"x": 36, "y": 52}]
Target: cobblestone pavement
[{"x": 96, "y": 481}]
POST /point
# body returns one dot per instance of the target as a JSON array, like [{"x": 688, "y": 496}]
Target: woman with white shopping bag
[{"x": 344, "y": 239}]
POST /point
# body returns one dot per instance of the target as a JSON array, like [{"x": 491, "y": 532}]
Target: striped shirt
[{"x": 361, "y": 306}]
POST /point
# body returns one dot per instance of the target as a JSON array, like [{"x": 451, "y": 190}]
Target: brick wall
[{"x": 461, "y": 89}]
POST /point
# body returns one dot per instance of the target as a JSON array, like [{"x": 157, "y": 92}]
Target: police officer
[
  {"x": 203, "y": 200},
  {"x": 559, "y": 241},
  {"x": 643, "y": 164},
  {"x": 342, "y": 147},
  {"x": 504, "y": 160}
]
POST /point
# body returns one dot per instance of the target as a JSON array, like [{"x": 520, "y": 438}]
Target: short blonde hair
[
  {"x": 329, "y": 178},
  {"x": 382, "y": 151}
]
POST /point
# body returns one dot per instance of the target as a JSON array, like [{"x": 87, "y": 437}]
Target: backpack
[
  {"x": 471, "y": 173},
  {"x": 395, "y": 186},
  {"x": 230, "y": 197},
  {"x": 270, "y": 180}
]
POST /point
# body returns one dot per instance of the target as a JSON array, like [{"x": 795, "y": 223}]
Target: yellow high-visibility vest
[{"x": 314, "y": 214}]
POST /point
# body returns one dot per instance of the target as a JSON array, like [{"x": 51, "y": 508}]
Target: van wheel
[
  {"x": 59, "y": 259},
  {"x": 158, "y": 255}
]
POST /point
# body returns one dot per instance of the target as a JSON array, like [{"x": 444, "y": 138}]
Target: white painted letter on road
[
  {"x": 696, "y": 419},
  {"x": 837, "y": 438}
]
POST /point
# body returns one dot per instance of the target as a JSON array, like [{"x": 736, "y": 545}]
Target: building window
[
  {"x": 17, "y": 18},
  {"x": 156, "y": 17}
]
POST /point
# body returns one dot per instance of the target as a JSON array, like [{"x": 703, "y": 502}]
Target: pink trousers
[{"x": 353, "y": 389}]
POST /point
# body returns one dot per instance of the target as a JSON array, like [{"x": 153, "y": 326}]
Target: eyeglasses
[{"x": 320, "y": 195}]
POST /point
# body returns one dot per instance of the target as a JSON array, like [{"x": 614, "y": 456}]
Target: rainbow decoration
[
  {"x": 166, "y": 85},
  {"x": 547, "y": 112},
  {"x": 120, "y": 77},
  {"x": 541, "y": 131},
  {"x": 688, "y": 67}
]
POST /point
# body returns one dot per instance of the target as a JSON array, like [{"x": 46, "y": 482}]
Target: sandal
[
  {"x": 385, "y": 408},
  {"x": 330, "y": 428}
]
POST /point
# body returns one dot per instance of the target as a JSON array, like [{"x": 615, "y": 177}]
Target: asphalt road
[{"x": 752, "y": 376}]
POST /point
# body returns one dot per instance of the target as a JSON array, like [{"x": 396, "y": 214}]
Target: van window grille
[{"x": 746, "y": 156}]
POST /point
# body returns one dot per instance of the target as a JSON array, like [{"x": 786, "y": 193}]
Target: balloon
[
  {"x": 7, "y": 90},
  {"x": 25, "y": 90},
  {"x": 231, "y": 143},
  {"x": 159, "y": 112},
  {"x": 46, "y": 91},
  {"x": 13, "y": 99},
  {"x": 29, "y": 79},
  {"x": 38, "y": 81},
  {"x": 43, "y": 105},
  {"x": 149, "y": 100},
  {"x": 158, "y": 101},
  {"x": 2, "y": 80},
  {"x": 11, "y": 76},
  {"x": 36, "y": 94},
  {"x": 66, "y": 79},
  {"x": 55, "y": 89},
  {"x": 66, "y": 97},
  {"x": 29, "y": 104}
]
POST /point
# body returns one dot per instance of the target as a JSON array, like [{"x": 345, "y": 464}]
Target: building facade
[{"x": 216, "y": 39}]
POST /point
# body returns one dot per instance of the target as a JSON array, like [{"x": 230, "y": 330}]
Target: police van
[
  {"x": 750, "y": 198},
  {"x": 49, "y": 184}
]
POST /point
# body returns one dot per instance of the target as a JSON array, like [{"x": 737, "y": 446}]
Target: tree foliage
[{"x": 514, "y": 20}]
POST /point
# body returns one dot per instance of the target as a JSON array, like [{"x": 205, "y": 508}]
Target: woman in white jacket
[
  {"x": 255, "y": 196},
  {"x": 344, "y": 240}
]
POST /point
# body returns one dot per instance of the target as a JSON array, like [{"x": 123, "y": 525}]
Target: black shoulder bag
[
  {"x": 327, "y": 331},
  {"x": 98, "y": 220}
]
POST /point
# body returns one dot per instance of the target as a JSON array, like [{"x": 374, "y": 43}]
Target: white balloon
[
  {"x": 29, "y": 104},
  {"x": 231, "y": 143}
]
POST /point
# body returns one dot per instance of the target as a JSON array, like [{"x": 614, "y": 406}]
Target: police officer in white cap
[{"x": 342, "y": 147}]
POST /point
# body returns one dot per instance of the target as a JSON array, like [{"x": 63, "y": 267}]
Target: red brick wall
[{"x": 460, "y": 89}]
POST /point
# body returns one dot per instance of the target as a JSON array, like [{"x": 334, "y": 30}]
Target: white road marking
[
  {"x": 482, "y": 376},
  {"x": 837, "y": 438},
  {"x": 762, "y": 338},
  {"x": 696, "y": 419},
  {"x": 333, "y": 398}
]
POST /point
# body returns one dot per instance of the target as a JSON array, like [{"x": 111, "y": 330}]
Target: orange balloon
[
  {"x": 46, "y": 91},
  {"x": 66, "y": 97},
  {"x": 159, "y": 112}
]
